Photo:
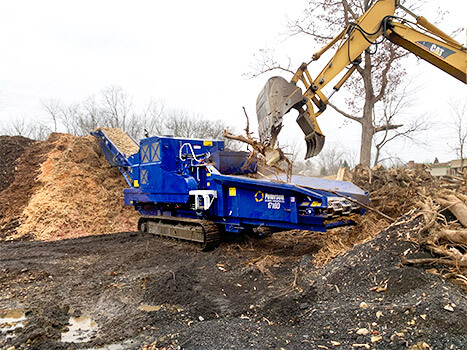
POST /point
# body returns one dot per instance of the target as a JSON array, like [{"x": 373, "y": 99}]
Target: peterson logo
[
  {"x": 438, "y": 50},
  {"x": 270, "y": 197},
  {"x": 259, "y": 196}
]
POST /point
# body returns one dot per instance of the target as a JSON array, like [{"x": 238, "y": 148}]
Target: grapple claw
[
  {"x": 314, "y": 144},
  {"x": 313, "y": 137}
]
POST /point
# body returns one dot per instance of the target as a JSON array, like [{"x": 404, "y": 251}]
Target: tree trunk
[
  {"x": 368, "y": 129},
  {"x": 367, "y": 137}
]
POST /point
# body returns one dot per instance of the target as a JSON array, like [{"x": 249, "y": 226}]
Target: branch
[
  {"x": 387, "y": 127},
  {"x": 345, "y": 114},
  {"x": 298, "y": 29},
  {"x": 347, "y": 10},
  {"x": 384, "y": 82},
  {"x": 242, "y": 138},
  {"x": 393, "y": 56},
  {"x": 268, "y": 63},
  {"x": 360, "y": 70},
  {"x": 406, "y": 261},
  {"x": 270, "y": 69}
]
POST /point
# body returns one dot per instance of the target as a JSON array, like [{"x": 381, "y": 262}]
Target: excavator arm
[
  {"x": 450, "y": 57},
  {"x": 278, "y": 96}
]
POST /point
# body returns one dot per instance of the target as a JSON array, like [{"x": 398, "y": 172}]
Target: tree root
[
  {"x": 272, "y": 157},
  {"x": 441, "y": 261}
]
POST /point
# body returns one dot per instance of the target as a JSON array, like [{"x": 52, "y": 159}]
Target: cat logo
[
  {"x": 438, "y": 50},
  {"x": 259, "y": 196}
]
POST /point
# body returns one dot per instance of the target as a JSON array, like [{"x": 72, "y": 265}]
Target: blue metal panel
[
  {"x": 160, "y": 172},
  {"x": 137, "y": 195},
  {"x": 345, "y": 188}
]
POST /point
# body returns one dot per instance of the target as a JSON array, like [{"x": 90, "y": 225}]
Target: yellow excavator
[{"x": 420, "y": 37}]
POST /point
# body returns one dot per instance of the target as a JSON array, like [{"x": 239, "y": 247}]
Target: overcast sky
[{"x": 192, "y": 55}]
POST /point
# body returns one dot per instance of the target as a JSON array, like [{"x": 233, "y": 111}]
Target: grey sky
[{"x": 190, "y": 54}]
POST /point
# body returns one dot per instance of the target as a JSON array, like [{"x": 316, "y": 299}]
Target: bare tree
[
  {"x": 23, "y": 127},
  {"x": 153, "y": 118},
  {"x": 378, "y": 77},
  {"x": 395, "y": 106},
  {"x": 114, "y": 108},
  {"x": 17, "y": 126},
  {"x": 69, "y": 117},
  {"x": 293, "y": 149},
  {"x": 54, "y": 109},
  {"x": 111, "y": 108},
  {"x": 330, "y": 160},
  {"x": 459, "y": 125},
  {"x": 183, "y": 124}
]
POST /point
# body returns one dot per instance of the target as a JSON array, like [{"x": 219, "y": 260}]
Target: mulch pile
[
  {"x": 20, "y": 184},
  {"x": 63, "y": 187},
  {"x": 11, "y": 148}
]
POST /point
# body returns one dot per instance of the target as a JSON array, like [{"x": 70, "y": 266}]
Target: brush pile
[
  {"x": 442, "y": 203},
  {"x": 393, "y": 193},
  {"x": 63, "y": 187},
  {"x": 438, "y": 204}
]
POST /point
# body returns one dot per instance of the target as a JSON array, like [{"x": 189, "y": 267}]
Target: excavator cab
[{"x": 275, "y": 100}]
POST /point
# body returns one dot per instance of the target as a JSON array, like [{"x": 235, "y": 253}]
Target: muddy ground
[{"x": 248, "y": 293}]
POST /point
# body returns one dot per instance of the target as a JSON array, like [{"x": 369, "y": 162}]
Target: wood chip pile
[
  {"x": 72, "y": 191},
  {"x": 121, "y": 139}
]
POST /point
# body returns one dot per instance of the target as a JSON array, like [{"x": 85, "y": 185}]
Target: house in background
[
  {"x": 458, "y": 166},
  {"x": 453, "y": 167}
]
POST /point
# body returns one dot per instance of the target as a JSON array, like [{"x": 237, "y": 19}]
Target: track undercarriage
[{"x": 203, "y": 232}]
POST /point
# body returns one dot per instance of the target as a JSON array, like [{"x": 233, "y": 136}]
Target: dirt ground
[{"x": 248, "y": 293}]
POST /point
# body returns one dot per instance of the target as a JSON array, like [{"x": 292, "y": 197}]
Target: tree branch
[
  {"x": 298, "y": 29},
  {"x": 387, "y": 127},
  {"x": 345, "y": 114}
]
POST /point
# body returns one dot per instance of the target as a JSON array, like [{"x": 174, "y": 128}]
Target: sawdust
[
  {"x": 76, "y": 193},
  {"x": 121, "y": 140}
]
